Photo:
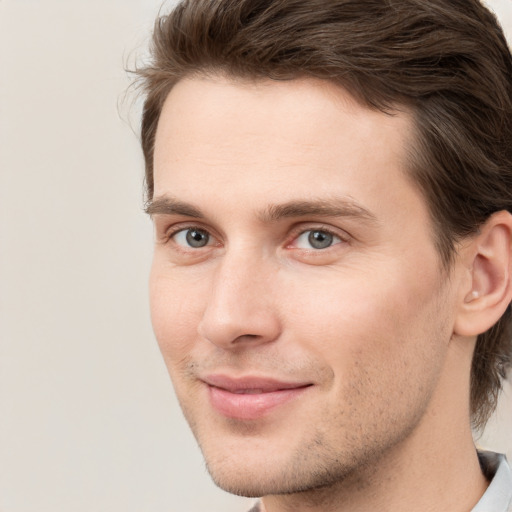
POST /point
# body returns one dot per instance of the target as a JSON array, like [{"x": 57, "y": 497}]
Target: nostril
[{"x": 248, "y": 337}]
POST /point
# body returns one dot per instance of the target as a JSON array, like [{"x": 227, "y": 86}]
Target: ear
[{"x": 488, "y": 291}]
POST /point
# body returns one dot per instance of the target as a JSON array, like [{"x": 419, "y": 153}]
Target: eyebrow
[
  {"x": 166, "y": 205},
  {"x": 328, "y": 207},
  {"x": 332, "y": 207}
]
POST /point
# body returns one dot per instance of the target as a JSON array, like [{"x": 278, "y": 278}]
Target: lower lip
[{"x": 250, "y": 406}]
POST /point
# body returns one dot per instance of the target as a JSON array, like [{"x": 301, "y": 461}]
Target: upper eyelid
[
  {"x": 170, "y": 229},
  {"x": 294, "y": 240},
  {"x": 300, "y": 229},
  {"x": 332, "y": 233},
  {"x": 174, "y": 229}
]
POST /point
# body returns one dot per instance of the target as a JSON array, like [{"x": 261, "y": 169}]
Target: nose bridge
[{"x": 241, "y": 302}]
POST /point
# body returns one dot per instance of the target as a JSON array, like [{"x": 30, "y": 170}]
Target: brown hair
[{"x": 445, "y": 60}]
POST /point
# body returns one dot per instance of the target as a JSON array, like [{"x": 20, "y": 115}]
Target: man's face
[{"x": 296, "y": 292}]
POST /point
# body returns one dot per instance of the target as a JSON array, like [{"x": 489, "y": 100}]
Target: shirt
[{"x": 497, "y": 497}]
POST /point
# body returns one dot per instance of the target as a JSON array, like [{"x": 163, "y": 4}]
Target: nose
[{"x": 241, "y": 308}]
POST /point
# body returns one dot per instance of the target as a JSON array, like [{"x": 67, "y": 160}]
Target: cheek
[
  {"x": 176, "y": 305},
  {"x": 387, "y": 320},
  {"x": 386, "y": 348}
]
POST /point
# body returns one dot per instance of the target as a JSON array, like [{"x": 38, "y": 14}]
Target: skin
[{"x": 368, "y": 321}]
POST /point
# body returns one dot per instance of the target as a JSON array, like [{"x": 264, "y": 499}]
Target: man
[{"x": 331, "y": 187}]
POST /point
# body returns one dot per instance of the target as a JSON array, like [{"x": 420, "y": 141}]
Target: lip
[{"x": 250, "y": 397}]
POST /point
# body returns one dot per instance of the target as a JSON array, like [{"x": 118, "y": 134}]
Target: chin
[
  {"x": 243, "y": 471},
  {"x": 239, "y": 485},
  {"x": 260, "y": 473}
]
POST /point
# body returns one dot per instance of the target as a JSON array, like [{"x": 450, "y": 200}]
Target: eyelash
[
  {"x": 294, "y": 236},
  {"x": 174, "y": 230},
  {"x": 300, "y": 231}
]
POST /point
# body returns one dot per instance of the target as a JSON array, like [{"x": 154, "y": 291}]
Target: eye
[
  {"x": 192, "y": 237},
  {"x": 316, "y": 239}
]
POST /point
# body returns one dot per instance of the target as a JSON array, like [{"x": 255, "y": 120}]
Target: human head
[{"x": 444, "y": 60}]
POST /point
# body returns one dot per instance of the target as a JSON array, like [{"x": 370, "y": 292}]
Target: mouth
[{"x": 250, "y": 398}]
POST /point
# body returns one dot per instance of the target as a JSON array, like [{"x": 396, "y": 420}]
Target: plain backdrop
[{"x": 88, "y": 419}]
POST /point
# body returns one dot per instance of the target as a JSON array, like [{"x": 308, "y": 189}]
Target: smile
[{"x": 250, "y": 398}]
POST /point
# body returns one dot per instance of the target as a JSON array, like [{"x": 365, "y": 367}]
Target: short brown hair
[{"x": 447, "y": 61}]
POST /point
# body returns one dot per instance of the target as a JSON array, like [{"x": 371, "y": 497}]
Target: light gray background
[{"x": 88, "y": 421}]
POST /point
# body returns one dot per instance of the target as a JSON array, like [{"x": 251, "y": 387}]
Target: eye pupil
[
  {"x": 320, "y": 239},
  {"x": 197, "y": 238}
]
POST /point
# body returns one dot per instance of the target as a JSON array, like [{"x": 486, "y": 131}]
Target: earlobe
[{"x": 490, "y": 290}]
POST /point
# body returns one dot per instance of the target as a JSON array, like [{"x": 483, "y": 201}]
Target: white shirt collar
[{"x": 498, "y": 497}]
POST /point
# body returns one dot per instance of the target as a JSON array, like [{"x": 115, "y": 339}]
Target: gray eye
[
  {"x": 320, "y": 239},
  {"x": 196, "y": 238}
]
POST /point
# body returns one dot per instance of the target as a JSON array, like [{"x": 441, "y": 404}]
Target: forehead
[{"x": 277, "y": 141}]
